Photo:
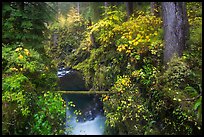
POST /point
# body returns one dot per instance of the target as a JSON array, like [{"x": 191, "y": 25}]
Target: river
[{"x": 92, "y": 119}]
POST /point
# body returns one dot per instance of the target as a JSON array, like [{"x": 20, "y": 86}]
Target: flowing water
[{"x": 91, "y": 121}]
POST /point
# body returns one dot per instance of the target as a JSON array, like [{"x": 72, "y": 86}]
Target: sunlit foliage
[
  {"x": 68, "y": 31},
  {"x": 119, "y": 46},
  {"x": 126, "y": 106},
  {"x": 26, "y": 73}
]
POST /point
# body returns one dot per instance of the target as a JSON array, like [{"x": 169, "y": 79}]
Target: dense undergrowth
[
  {"x": 126, "y": 58},
  {"x": 28, "y": 78}
]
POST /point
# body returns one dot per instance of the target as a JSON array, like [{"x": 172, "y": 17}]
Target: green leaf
[
  {"x": 152, "y": 122},
  {"x": 198, "y": 103},
  {"x": 137, "y": 57},
  {"x": 189, "y": 88},
  {"x": 26, "y": 24}
]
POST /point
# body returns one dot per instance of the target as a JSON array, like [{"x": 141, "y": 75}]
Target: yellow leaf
[
  {"x": 27, "y": 53},
  {"x": 84, "y": 48},
  {"x": 26, "y": 50},
  {"x": 18, "y": 49},
  {"x": 20, "y": 56},
  {"x": 14, "y": 69},
  {"x": 140, "y": 40},
  {"x": 138, "y": 36},
  {"x": 46, "y": 68},
  {"x": 136, "y": 43},
  {"x": 106, "y": 98},
  {"x": 128, "y": 51}
]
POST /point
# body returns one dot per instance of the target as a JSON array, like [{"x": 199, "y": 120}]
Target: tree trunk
[
  {"x": 175, "y": 25},
  {"x": 55, "y": 37},
  {"x": 106, "y": 4},
  {"x": 57, "y": 9},
  {"x": 92, "y": 34},
  {"x": 22, "y": 6},
  {"x": 19, "y": 19},
  {"x": 78, "y": 7},
  {"x": 112, "y": 3},
  {"x": 129, "y": 8},
  {"x": 154, "y": 8}
]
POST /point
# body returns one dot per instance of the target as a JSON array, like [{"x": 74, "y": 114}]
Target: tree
[
  {"x": 175, "y": 25},
  {"x": 106, "y": 4},
  {"x": 92, "y": 34},
  {"x": 55, "y": 36},
  {"x": 78, "y": 7},
  {"x": 129, "y": 8},
  {"x": 154, "y": 8}
]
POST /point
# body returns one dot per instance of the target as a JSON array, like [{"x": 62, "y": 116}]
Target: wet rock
[{"x": 70, "y": 79}]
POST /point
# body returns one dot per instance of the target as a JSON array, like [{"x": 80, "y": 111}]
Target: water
[
  {"x": 93, "y": 127},
  {"x": 62, "y": 72},
  {"x": 92, "y": 120}
]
